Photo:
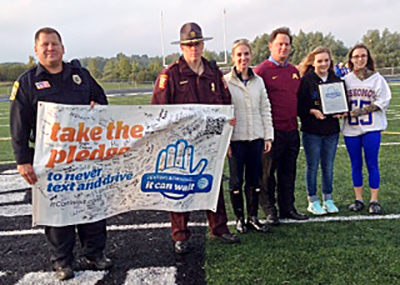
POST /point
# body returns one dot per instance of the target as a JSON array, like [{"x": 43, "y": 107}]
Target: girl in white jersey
[{"x": 369, "y": 98}]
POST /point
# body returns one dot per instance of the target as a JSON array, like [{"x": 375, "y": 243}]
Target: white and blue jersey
[{"x": 361, "y": 93}]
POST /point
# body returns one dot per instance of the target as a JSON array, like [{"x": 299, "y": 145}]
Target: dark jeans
[
  {"x": 320, "y": 149},
  {"x": 61, "y": 241},
  {"x": 246, "y": 159},
  {"x": 279, "y": 173}
]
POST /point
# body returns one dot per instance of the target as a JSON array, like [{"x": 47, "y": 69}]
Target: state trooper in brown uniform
[{"x": 194, "y": 80}]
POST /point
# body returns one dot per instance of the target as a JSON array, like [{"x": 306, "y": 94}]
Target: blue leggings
[{"x": 371, "y": 144}]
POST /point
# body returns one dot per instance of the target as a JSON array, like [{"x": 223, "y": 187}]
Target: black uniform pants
[
  {"x": 279, "y": 173},
  {"x": 61, "y": 241},
  {"x": 246, "y": 159}
]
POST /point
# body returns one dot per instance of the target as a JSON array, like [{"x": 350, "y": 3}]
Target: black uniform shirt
[{"x": 73, "y": 86}]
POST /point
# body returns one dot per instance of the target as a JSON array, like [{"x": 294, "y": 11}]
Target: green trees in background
[
  {"x": 385, "y": 47},
  {"x": 302, "y": 44}
]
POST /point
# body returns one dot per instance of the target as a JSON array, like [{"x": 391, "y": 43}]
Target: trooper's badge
[
  {"x": 77, "y": 79},
  {"x": 14, "y": 91},
  {"x": 163, "y": 81},
  {"x": 295, "y": 76},
  {"x": 212, "y": 87}
]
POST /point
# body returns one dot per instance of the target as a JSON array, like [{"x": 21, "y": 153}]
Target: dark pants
[
  {"x": 246, "y": 159},
  {"x": 217, "y": 221},
  {"x": 279, "y": 173},
  {"x": 61, "y": 241}
]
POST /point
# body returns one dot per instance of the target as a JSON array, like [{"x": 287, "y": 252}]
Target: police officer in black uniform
[{"x": 53, "y": 80}]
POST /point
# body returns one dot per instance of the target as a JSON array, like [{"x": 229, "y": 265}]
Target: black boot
[
  {"x": 241, "y": 226},
  {"x": 254, "y": 223}
]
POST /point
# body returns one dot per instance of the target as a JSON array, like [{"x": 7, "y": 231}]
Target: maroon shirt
[
  {"x": 179, "y": 84},
  {"x": 282, "y": 84}
]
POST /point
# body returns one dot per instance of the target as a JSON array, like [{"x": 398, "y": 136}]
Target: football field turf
[{"x": 350, "y": 249}]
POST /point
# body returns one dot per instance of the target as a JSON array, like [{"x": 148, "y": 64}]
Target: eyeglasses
[{"x": 357, "y": 57}]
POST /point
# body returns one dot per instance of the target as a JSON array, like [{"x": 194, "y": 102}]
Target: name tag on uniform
[
  {"x": 42, "y": 85},
  {"x": 183, "y": 82}
]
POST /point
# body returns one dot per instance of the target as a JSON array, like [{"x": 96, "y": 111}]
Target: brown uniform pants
[{"x": 217, "y": 221}]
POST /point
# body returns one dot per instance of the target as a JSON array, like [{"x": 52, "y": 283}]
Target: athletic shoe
[
  {"x": 375, "y": 208},
  {"x": 330, "y": 207},
  {"x": 315, "y": 208},
  {"x": 357, "y": 206}
]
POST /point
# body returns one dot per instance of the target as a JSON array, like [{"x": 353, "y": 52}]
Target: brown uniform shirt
[{"x": 179, "y": 84}]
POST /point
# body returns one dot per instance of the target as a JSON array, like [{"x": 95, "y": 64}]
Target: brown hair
[
  {"x": 281, "y": 30},
  {"x": 307, "y": 62},
  {"x": 370, "y": 62},
  {"x": 47, "y": 30}
]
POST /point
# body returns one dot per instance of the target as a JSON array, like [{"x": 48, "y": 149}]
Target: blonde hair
[
  {"x": 308, "y": 61},
  {"x": 241, "y": 42}
]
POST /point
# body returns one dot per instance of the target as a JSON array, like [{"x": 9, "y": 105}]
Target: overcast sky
[{"x": 106, "y": 27}]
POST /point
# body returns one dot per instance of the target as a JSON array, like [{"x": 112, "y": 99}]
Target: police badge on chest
[{"x": 77, "y": 79}]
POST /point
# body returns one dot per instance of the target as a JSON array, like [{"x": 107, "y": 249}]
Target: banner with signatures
[{"x": 94, "y": 164}]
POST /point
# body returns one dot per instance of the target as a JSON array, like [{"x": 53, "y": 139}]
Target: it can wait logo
[{"x": 176, "y": 175}]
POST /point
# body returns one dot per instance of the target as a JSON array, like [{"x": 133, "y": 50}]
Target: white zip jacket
[{"x": 252, "y": 108}]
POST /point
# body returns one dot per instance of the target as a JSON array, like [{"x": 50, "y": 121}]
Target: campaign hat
[{"x": 191, "y": 33}]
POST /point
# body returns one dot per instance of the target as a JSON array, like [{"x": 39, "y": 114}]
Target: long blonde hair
[{"x": 308, "y": 61}]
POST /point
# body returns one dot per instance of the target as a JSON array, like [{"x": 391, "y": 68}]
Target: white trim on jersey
[{"x": 361, "y": 93}]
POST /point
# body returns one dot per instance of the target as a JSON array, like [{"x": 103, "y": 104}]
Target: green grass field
[
  {"x": 345, "y": 252},
  {"x": 6, "y": 87}
]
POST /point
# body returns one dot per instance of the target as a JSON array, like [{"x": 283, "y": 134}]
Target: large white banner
[{"x": 93, "y": 164}]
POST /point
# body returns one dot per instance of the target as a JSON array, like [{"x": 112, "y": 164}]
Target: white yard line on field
[{"x": 168, "y": 225}]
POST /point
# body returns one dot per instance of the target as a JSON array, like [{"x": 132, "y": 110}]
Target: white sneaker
[
  {"x": 315, "y": 208},
  {"x": 330, "y": 207}
]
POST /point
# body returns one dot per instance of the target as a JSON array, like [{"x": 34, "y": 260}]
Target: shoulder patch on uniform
[
  {"x": 77, "y": 79},
  {"x": 14, "y": 91},
  {"x": 163, "y": 81}
]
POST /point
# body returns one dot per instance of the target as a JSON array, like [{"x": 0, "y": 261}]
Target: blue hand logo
[
  {"x": 176, "y": 174},
  {"x": 179, "y": 157}
]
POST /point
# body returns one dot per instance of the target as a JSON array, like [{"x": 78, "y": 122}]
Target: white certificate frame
[{"x": 333, "y": 98}]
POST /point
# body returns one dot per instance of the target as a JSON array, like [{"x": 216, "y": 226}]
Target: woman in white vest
[
  {"x": 369, "y": 98},
  {"x": 252, "y": 135}
]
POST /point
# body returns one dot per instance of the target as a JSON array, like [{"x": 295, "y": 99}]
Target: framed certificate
[{"x": 333, "y": 98}]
